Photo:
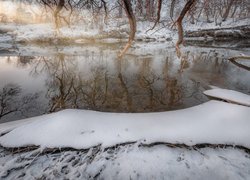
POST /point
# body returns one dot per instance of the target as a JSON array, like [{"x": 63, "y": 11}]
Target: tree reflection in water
[
  {"x": 97, "y": 80},
  {"x": 13, "y": 102},
  {"x": 104, "y": 89}
]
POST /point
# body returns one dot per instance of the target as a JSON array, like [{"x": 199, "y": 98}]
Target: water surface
[{"x": 37, "y": 80}]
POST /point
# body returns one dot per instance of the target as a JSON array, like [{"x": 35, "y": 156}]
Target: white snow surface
[
  {"x": 229, "y": 95},
  {"x": 46, "y": 32},
  {"x": 230, "y": 23},
  {"x": 9, "y": 126},
  {"x": 213, "y": 122},
  {"x": 128, "y": 162}
]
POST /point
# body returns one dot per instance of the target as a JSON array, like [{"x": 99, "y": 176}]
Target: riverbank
[
  {"x": 46, "y": 33},
  {"x": 209, "y": 140}
]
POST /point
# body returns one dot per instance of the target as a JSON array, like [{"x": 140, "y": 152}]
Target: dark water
[{"x": 150, "y": 78}]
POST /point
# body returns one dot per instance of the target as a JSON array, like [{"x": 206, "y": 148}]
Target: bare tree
[
  {"x": 178, "y": 22},
  {"x": 158, "y": 14},
  {"x": 228, "y": 8},
  {"x": 132, "y": 24}
]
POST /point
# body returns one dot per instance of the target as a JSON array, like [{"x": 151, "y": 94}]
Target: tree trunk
[
  {"x": 186, "y": 8},
  {"x": 132, "y": 24},
  {"x": 225, "y": 15},
  {"x": 139, "y": 7},
  {"x": 57, "y": 11},
  {"x": 120, "y": 9},
  {"x": 172, "y": 9},
  {"x": 159, "y": 6}
]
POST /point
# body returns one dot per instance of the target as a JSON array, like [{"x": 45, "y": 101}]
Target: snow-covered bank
[
  {"x": 45, "y": 32},
  {"x": 230, "y": 29},
  {"x": 213, "y": 122},
  {"x": 77, "y": 35},
  {"x": 30, "y": 33},
  {"x": 229, "y": 95},
  {"x": 230, "y": 33},
  {"x": 230, "y": 23},
  {"x": 128, "y": 162}
]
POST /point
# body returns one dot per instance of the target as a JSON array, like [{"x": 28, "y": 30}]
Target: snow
[
  {"x": 213, "y": 122},
  {"x": 46, "y": 32},
  {"x": 5, "y": 38},
  {"x": 9, "y": 126},
  {"x": 128, "y": 162},
  {"x": 230, "y": 23},
  {"x": 229, "y": 95},
  {"x": 164, "y": 163}
]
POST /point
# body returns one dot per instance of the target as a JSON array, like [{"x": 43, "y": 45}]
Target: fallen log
[
  {"x": 234, "y": 61},
  {"x": 240, "y": 57},
  {"x": 229, "y": 96}
]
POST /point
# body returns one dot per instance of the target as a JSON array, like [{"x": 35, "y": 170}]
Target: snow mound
[
  {"x": 9, "y": 126},
  {"x": 213, "y": 122},
  {"x": 229, "y": 95}
]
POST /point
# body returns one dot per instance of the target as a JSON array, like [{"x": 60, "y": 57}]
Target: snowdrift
[{"x": 213, "y": 122}]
